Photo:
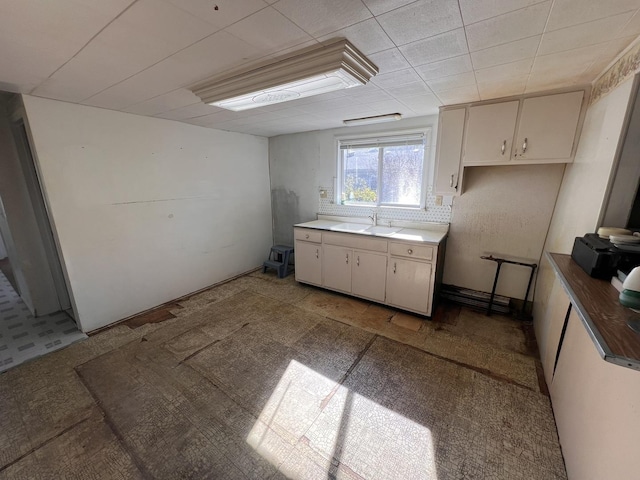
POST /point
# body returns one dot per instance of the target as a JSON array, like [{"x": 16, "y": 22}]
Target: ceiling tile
[
  {"x": 506, "y": 53},
  {"x": 440, "y": 47},
  {"x": 37, "y": 38},
  {"x": 632, "y": 27},
  {"x": 210, "y": 56},
  {"x": 453, "y": 81},
  {"x": 506, "y": 28},
  {"x": 292, "y": 50},
  {"x": 388, "y": 106},
  {"x": 409, "y": 89},
  {"x": 459, "y": 95},
  {"x": 378, "y": 7},
  {"x": 572, "y": 12},
  {"x": 421, "y": 19},
  {"x": 400, "y": 77},
  {"x": 584, "y": 34},
  {"x": 389, "y": 61},
  {"x": 508, "y": 70},
  {"x": 367, "y": 36},
  {"x": 283, "y": 33},
  {"x": 146, "y": 33},
  {"x": 228, "y": 12},
  {"x": 503, "y": 88},
  {"x": 476, "y": 10},
  {"x": 164, "y": 103},
  {"x": 321, "y": 18},
  {"x": 190, "y": 111},
  {"x": 422, "y": 102},
  {"x": 609, "y": 51},
  {"x": 444, "y": 68},
  {"x": 567, "y": 62}
]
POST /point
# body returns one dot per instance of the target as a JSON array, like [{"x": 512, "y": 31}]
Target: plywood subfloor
[{"x": 266, "y": 378}]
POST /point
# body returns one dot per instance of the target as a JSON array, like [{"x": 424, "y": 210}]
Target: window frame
[{"x": 426, "y": 166}]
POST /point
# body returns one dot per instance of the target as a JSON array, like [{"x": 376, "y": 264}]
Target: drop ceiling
[{"x": 141, "y": 56}]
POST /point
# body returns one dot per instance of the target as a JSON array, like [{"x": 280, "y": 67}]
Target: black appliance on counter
[{"x": 602, "y": 259}]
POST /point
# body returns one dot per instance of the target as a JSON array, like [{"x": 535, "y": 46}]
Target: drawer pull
[
  {"x": 504, "y": 147},
  {"x": 524, "y": 146},
  {"x": 317, "y": 253},
  {"x": 306, "y": 236},
  {"x": 358, "y": 260},
  {"x": 394, "y": 267},
  {"x": 347, "y": 258},
  {"x": 410, "y": 251}
]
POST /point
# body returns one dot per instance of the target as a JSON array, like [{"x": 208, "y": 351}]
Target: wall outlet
[
  {"x": 438, "y": 200},
  {"x": 323, "y": 193}
]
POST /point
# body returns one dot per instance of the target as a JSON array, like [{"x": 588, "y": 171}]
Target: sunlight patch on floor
[{"x": 312, "y": 419}]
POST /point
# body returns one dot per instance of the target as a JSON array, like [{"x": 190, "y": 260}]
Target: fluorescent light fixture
[
  {"x": 312, "y": 71},
  {"x": 390, "y": 117}
]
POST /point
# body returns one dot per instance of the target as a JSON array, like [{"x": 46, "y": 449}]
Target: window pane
[
  {"x": 402, "y": 174},
  {"x": 360, "y": 175}
]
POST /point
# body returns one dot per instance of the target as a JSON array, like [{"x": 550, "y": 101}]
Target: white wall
[
  {"x": 302, "y": 162},
  {"x": 584, "y": 185},
  {"x": 504, "y": 211},
  {"x": 20, "y": 230},
  {"x": 146, "y": 210}
]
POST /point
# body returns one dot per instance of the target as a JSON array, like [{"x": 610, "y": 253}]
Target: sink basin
[
  {"x": 380, "y": 230},
  {"x": 351, "y": 227}
]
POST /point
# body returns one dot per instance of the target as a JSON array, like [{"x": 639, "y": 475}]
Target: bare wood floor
[{"x": 266, "y": 378}]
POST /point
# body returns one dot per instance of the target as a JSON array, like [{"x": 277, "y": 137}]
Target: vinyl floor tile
[{"x": 268, "y": 379}]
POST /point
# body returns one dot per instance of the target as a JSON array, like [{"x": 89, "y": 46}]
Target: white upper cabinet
[
  {"x": 490, "y": 132},
  {"x": 548, "y": 127},
  {"x": 448, "y": 173}
]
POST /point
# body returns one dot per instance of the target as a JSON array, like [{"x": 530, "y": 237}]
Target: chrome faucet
[{"x": 374, "y": 218}]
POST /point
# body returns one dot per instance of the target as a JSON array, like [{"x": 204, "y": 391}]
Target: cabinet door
[
  {"x": 548, "y": 328},
  {"x": 336, "y": 267},
  {"x": 369, "y": 272},
  {"x": 548, "y": 127},
  {"x": 595, "y": 404},
  {"x": 448, "y": 176},
  {"x": 409, "y": 285},
  {"x": 308, "y": 262},
  {"x": 490, "y": 132}
]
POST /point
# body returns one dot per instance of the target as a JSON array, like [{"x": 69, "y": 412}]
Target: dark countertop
[{"x": 596, "y": 302}]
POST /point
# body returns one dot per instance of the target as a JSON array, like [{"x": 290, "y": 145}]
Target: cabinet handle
[
  {"x": 317, "y": 253},
  {"x": 358, "y": 260},
  {"x": 410, "y": 251},
  {"x": 306, "y": 236},
  {"x": 347, "y": 258},
  {"x": 394, "y": 267},
  {"x": 504, "y": 147},
  {"x": 524, "y": 146},
  {"x": 451, "y": 182}
]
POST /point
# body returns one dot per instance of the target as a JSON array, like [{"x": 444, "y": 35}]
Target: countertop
[
  {"x": 597, "y": 305},
  {"x": 430, "y": 233}
]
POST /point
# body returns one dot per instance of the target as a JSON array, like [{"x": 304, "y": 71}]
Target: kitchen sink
[
  {"x": 380, "y": 230},
  {"x": 351, "y": 227}
]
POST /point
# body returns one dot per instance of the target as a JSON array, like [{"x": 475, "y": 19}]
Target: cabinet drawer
[
  {"x": 353, "y": 240},
  {"x": 422, "y": 252},
  {"x": 308, "y": 235}
]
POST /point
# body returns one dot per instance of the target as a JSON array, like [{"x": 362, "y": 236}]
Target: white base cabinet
[
  {"x": 407, "y": 282},
  {"x": 397, "y": 273},
  {"x": 369, "y": 275},
  {"x": 308, "y": 252},
  {"x": 336, "y": 269}
]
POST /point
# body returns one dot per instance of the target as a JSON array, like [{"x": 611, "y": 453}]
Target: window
[{"x": 382, "y": 171}]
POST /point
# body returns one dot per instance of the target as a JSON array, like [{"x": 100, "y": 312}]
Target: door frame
[{"x": 32, "y": 174}]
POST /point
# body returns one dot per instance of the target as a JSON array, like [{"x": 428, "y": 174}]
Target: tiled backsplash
[{"x": 432, "y": 213}]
